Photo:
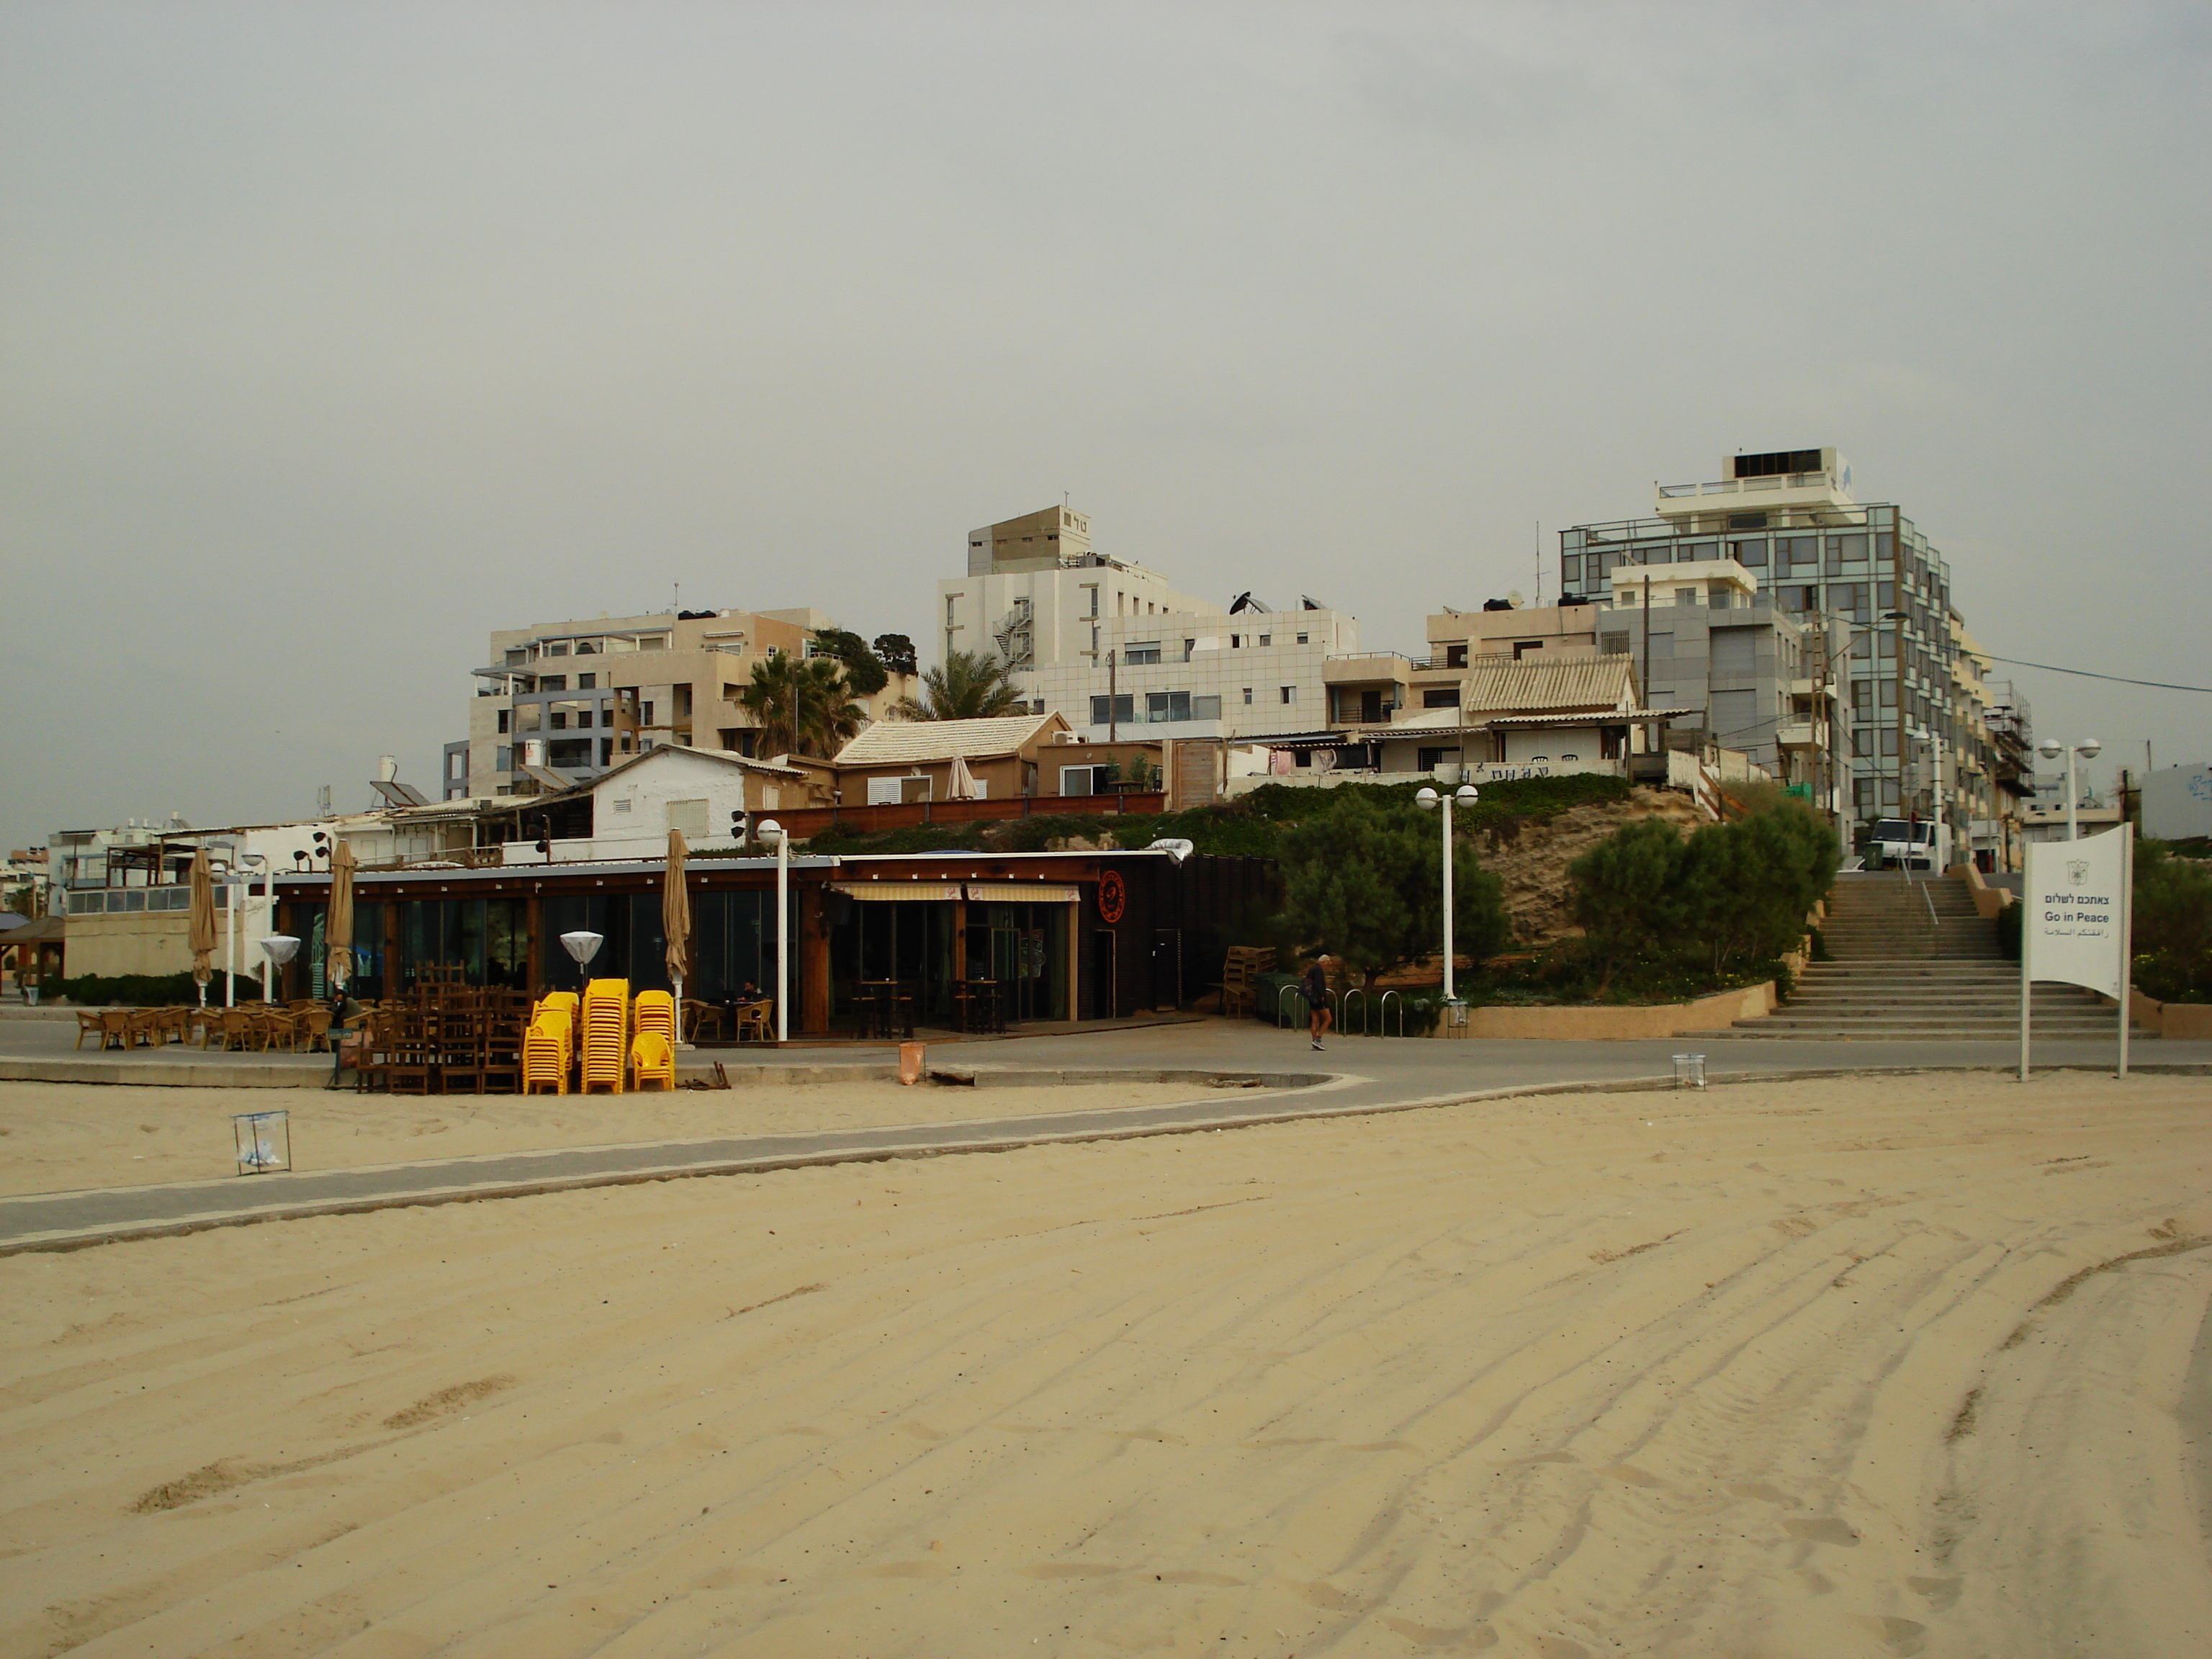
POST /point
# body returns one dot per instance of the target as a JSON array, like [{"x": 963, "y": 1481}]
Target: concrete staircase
[{"x": 1912, "y": 959}]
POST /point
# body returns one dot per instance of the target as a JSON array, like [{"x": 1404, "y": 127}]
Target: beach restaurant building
[{"x": 1058, "y": 936}]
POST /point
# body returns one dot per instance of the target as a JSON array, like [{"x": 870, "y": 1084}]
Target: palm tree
[
  {"x": 973, "y": 685},
  {"x": 800, "y": 706}
]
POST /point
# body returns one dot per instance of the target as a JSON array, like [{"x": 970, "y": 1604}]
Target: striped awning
[
  {"x": 1016, "y": 892},
  {"x": 893, "y": 891}
]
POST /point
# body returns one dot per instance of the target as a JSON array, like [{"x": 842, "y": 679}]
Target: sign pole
[
  {"x": 2127, "y": 935},
  {"x": 2026, "y": 944}
]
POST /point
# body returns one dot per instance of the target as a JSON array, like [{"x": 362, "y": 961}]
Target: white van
[{"x": 1913, "y": 845}]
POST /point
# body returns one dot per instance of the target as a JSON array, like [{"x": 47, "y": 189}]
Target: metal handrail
[
  {"x": 1382, "y": 1014},
  {"x": 1287, "y": 991},
  {"x": 1344, "y": 1013}
]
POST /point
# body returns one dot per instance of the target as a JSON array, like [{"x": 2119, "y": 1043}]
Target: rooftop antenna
[
  {"x": 1540, "y": 564},
  {"x": 678, "y": 605}
]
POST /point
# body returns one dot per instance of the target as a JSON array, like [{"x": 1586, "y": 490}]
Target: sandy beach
[
  {"x": 63, "y": 1137},
  {"x": 1790, "y": 1370}
]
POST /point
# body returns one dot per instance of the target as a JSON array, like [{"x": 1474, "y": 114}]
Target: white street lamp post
[
  {"x": 2051, "y": 749},
  {"x": 1429, "y": 799},
  {"x": 772, "y": 832}
]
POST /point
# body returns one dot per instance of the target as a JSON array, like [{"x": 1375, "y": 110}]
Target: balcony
[{"x": 1754, "y": 486}]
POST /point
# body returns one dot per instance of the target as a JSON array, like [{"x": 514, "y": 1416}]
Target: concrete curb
[{"x": 1078, "y": 1130}]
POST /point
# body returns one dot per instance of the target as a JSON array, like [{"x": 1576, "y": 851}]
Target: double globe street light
[
  {"x": 1465, "y": 795},
  {"x": 2051, "y": 749}
]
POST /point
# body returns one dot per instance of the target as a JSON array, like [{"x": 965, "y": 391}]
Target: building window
[
  {"x": 1266, "y": 639},
  {"x": 952, "y": 605},
  {"x": 554, "y": 682},
  {"x": 1750, "y": 555},
  {"x": 1123, "y": 709},
  {"x": 1455, "y": 656},
  {"x": 502, "y": 720},
  {"x": 586, "y": 681},
  {"x": 556, "y": 648},
  {"x": 1290, "y": 693},
  {"x": 1570, "y": 570},
  {"x": 1438, "y": 697},
  {"x": 1091, "y": 589},
  {"x": 1522, "y": 647},
  {"x": 1248, "y": 694},
  {"x": 1139, "y": 655},
  {"x": 1613, "y": 645},
  {"x": 503, "y": 759}
]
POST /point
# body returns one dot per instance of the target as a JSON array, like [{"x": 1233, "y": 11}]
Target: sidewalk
[{"x": 1366, "y": 1076}]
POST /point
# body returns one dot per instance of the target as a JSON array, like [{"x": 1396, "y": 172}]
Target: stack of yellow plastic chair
[
  {"x": 652, "y": 1060},
  {"x": 606, "y": 1046},
  {"x": 563, "y": 1003},
  {"x": 546, "y": 1052},
  {"x": 654, "y": 1011}
]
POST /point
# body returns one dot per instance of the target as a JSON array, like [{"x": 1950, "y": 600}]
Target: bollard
[{"x": 911, "y": 1057}]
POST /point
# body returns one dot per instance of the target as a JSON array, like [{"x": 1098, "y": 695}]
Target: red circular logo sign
[{"x": 1112, "y": 897}]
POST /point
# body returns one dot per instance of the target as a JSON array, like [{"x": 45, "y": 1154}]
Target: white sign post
[{"x": 2078, "y": 902}]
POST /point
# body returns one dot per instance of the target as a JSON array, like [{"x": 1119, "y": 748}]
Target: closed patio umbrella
[
  {"x": 675, "y": 922},
  {"x": 202, "y": 922},
  {"x": 337, "y": 929},
  {"x": 962, "y": 781}
]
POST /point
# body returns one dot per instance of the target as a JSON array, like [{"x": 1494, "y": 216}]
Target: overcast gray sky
[{"x": 333, "y": 337}]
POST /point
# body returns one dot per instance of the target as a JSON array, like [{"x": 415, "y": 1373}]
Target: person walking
[{"x": 1319, "y": 1015}]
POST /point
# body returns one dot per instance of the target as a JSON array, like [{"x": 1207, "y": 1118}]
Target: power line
[{"x": 2087, "y": 674}]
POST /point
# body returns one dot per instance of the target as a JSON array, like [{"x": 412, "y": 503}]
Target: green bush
[
  {"x": 1364, "y": 881},
  {"x": 2008, "y": 927},
  {"x": 1668, "y": 916},
  {"x": 144, "y": 990},
  {"x": 2172, "y": 936}
]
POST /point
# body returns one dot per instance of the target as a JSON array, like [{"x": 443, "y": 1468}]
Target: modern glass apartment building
[{"x": 1790, "y": 519}]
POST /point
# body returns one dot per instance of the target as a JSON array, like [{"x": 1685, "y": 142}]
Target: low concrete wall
[
  {"x": 1988, "y": 900},
  {"x": 2183, "y": 1021},
  {"x": 157, "y": 942},
  {"x": 1603, "y": 1023}
]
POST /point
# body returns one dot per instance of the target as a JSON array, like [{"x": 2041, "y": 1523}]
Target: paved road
[{"x": 1277, "y": 1077}]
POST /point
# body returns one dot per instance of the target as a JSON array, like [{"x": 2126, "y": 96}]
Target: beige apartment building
[{"x": 559, "y": 703}]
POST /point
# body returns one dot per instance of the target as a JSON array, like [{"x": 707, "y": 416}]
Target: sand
[
  {"x": 1786, "y": 1370},
  {"x": 63, "y": 1137}
]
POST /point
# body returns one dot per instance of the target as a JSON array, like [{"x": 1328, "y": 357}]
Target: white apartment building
[
  {"x": 1108, "y": 645},
  {"x": 560, "y": 702}
]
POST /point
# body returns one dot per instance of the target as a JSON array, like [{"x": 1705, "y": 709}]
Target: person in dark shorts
[{"x": 1319, "y": 1015}]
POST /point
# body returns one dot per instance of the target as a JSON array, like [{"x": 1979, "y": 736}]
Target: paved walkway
[{"x": 1249, "y": 1073}]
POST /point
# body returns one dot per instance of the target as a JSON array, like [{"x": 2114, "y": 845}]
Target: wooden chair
[
  {"x": 237, "y": 1029},
  {"x": 756, "y": 1021},
  {"x": 115, "y": 1028},
  {"x": 313, "y": 1027},
  {"x": 89, "y": 1025},
  {"x": 1241, "y": 973},
  {"x": 701, "y": 1019},
  {"x": 502, "y": 1053},
  {"x": 410, "y": 1066}
]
